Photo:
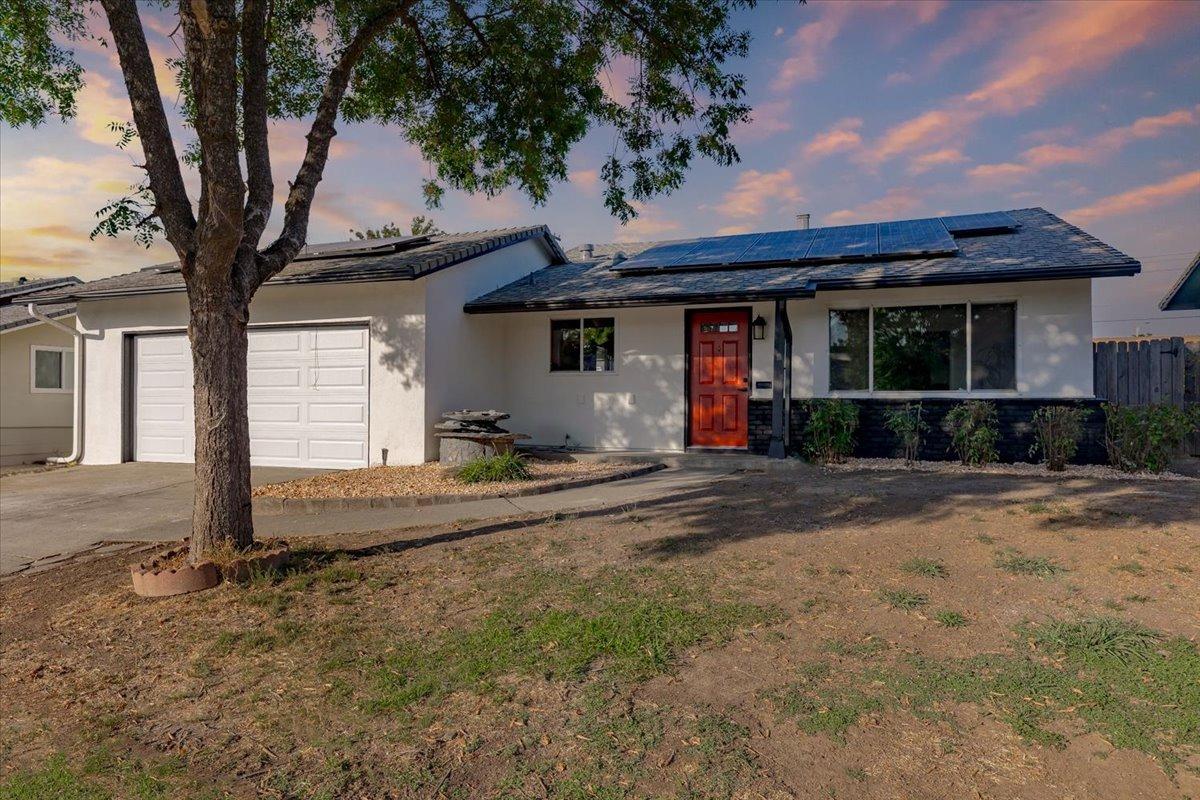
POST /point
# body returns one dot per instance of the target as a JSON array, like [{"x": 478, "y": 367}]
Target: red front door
[{"x": 719, "y": 382}]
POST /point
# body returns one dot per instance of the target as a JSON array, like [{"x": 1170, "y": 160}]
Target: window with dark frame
[
  {"x": 52, "y": 368},
  {"x": 923, "y": 348},
  {"x": 583, "y": 345}
]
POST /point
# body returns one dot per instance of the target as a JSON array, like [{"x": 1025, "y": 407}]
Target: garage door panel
[
  {"x": 273, "y": 377},
  {"x": 325, "y": 340},
  {"x": 337, "y": 413},
  {"x": 308, "y": 397},
  {"x": 274, "y": 412},
  {"x": 339, "y": 450},
  {"x": 274, "y": 342}
]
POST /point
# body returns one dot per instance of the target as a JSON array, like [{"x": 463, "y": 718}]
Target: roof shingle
[{"x": 1044, "y": 247}]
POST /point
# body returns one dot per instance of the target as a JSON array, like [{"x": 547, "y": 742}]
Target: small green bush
[
  {"x": 829, "y": 433},
  {"x": 508, "y": 466},
  {"x": 1057, "y": 429},
  {"x": 908, "y": 426},
  {"x": 974, "y": 432},
  {"x": 1140, "y": 438}
]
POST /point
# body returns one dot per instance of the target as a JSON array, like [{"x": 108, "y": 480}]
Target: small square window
[
  {"x": 52, "y": 369},
  {"x": 583, "y": 345}
]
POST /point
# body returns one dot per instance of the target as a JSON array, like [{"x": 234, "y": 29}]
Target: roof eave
[{"x": 690, "y": 298}]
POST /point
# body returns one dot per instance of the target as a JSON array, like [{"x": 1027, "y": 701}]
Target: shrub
[
  {"x": 973, "y": 431},
  {"x": 829, "y": 433},
  {"x": 1145, "y": 437},
  {"x": 508, "y": 466},
  {"x": 1057, "y": 429},
  {"x": 908, "y": 426}
]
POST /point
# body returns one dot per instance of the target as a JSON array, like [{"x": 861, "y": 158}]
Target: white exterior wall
[
  {"x": 394, "y": 312},
  {"x": 465, "y": 354},
  {"x": 639, "y": 406},
  {"x": 1054, "y": 334},
  {"x": 32, "y": 425}
]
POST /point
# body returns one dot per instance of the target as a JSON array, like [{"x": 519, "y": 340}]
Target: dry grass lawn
[{"x": 811, "y": 635}]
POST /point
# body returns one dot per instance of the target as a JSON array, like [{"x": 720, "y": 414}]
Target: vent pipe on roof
[
  {"x": 802, "y": 221},
  {"x": 587, "y": 249}
]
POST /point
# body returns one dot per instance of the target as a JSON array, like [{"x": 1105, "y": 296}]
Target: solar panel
[
  {"x": 720, "y": 250},
  {"x": 662, "y": 256},
  {"x": 845, "y": 241},
  {"x": 914, "y": 237},
  {"x": 980, "y": 223},
  {"x": 778, "y": 246}
]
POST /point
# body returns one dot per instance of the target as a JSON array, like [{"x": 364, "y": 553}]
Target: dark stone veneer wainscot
[{"x": 874, "y": 440}]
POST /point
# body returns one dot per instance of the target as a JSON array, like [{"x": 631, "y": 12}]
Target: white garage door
[{"x": 308, "y": 391}]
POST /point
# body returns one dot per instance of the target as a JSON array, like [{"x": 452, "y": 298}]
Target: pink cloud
[
  {"x": 940, "y": 126},
  {"x": 999, "y": 174},
  {"x": 1105, "y": 144},
  {"x": 767, "y": 120},
  {"x": 754, "y": 190},
  {"x": 897, "y": 78},
  {"x": 937, "y": 158},
  {"x": 1063, "y": 43},
  {"x": 730, "y": 230},
  {"x": 979, "y": 29},
  {"x": 843, "y": 135},
  {"x": 1141, "y": 198},
  {"x": 586, "y": 180},
  {"x": 1070, "y": 40},
  {"x": 809, "y": 46},
  {"x": 897, "y": 203},
  {"x": 648, "y": 225}
]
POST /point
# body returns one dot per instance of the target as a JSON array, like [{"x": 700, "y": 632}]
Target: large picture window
[
  {"x": 930, "y": 348},
  {"x": 582, "y": 345}
]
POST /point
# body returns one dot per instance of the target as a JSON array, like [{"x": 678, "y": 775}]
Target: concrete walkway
[{"x": 53, "y": 514}]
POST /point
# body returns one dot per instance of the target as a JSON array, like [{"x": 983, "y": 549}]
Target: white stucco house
[
  {"x": 694, "y": 344},
  {"x": 37, "y": 375}
]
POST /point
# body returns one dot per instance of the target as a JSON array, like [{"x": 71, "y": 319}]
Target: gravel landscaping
[
  {"x": 430, "y": 479},
  {"x": 1092, "y": 471}
]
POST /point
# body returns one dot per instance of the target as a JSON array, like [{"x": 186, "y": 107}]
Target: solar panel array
[{"x": 883, "y": 240}]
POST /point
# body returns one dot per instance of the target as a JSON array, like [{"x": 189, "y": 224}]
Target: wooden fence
[{"x": 1148, "y": 372}]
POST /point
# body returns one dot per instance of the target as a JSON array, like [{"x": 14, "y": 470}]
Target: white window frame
[
  {"x": 66, "y": 375},
  {"x": 870, "y": 391},
  {"x": 581, "y": 371}
]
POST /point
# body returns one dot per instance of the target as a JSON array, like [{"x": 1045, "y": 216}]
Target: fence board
[{"x": 1147, "y": 372}]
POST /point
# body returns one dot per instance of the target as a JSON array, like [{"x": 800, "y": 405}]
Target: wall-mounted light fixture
[{"x": 760, "y": 328}]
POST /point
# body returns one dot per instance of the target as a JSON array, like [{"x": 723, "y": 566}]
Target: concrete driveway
[
  {"x": 64, "y": 510},
  {"x": 45, "y": 516}
]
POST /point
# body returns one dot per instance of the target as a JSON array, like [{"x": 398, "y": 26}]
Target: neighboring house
[
  {"x": 1185, "y": 294},
  {"x": 700, "y": 343},
  {"x": 36, "y": 374}
]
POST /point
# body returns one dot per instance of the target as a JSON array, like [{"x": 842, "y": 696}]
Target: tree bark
[{"x": 221, "y": 512}]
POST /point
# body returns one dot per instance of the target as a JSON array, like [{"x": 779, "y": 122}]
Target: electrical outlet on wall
[{"x": 580, "y": 399}]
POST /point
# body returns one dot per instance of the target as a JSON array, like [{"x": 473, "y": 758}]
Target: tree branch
[
  {"x": 260, "y": 185},
  {"x": 162, "y": 164},
  {"x": 469, "y": 21},
  {"x": 299, "y": 202}
]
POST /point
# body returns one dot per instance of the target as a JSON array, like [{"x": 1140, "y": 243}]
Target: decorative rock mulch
[
  {"x": 429, "y": 485},
  {"x": 1092, "y": 471}
]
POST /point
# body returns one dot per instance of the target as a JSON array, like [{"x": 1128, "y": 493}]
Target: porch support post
[{"x": 780, "y": 381}]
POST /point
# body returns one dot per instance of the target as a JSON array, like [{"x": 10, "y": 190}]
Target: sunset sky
[{"x": 863, "y": 112}]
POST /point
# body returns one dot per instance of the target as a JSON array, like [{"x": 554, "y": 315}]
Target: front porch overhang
[{"x": 642, "y": 301}]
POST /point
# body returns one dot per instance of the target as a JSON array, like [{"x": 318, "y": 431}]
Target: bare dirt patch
[
  {"x": 430, "y": 479},
  {"x": 735, "y": 641}
]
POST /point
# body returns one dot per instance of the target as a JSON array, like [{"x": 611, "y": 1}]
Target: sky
[{"x": 862, "y": 112}]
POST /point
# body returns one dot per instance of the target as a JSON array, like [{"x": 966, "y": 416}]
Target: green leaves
[{"x": 39, "y": 76}]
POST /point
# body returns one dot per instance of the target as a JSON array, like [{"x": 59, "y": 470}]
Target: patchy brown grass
[{"x": 756, "y": 638}]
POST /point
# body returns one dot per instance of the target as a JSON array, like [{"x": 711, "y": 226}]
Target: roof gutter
[{"x": 77, "y": 427}]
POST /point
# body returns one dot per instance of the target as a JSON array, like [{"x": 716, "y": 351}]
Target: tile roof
[
  {"x": 1043, "y": 247},
  {"x": 13, "y": 295},
  {"x": 401, "y": 260},
  {"x": 1185, "y": 294}
]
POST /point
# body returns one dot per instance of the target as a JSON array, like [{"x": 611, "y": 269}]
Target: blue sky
[{"x": 866, "y": 111}]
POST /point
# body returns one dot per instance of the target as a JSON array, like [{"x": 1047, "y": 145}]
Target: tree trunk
[{"x": 221, "y": 513}]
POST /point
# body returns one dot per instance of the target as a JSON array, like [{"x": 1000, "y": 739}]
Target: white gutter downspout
[{"x": 77, "y": 427}]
